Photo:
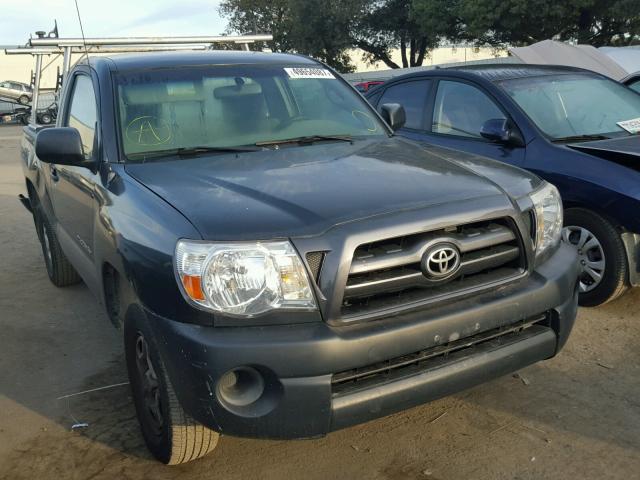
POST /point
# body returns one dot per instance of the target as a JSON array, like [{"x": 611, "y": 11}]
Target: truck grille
[
  {"x": 387, "y": 274},
  {"x": 356, "y": 379}
]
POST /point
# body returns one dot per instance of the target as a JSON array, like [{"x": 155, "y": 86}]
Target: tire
[
  {"x": 23, "y": 100},
  {"x": 45, "y": 119},
  {"x": 170, "y": 433},
  {"x": 604, "y": 255},
  {"x": 60, "y": 271}
]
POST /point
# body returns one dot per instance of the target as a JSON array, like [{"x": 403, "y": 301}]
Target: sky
[{"x": 109, "y": 18}]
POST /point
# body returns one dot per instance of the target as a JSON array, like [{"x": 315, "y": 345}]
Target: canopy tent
[
  {"x": 550, "y": 52},
  {"x": 627, "y": 57}
]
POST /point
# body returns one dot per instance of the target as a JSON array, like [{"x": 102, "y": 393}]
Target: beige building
[{"x": 438, "y": 56}]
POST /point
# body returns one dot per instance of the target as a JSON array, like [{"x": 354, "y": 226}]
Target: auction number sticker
[
  {"x": 302, "y": 72},
  {"x": 631, "y": 126}
]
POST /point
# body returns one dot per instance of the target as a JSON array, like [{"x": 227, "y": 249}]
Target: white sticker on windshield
[
  {"x": 301, "y": 72},
  {"x": 631, "y": 126}
]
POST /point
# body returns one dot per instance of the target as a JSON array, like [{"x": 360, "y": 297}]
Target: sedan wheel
[
  {"x": 601, "y": 253},
  {"x": 591, "y": 256}
]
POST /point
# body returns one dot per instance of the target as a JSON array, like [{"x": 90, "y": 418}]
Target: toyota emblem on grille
[{"x": 441, "y": 261}]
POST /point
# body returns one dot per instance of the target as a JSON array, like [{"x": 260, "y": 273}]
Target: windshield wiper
[
  {"x": 578, "y": 138},
  {"x": 189, "y": 151},
  {"x": 186, "y": 151},
  {"x": 308, "y": 140}
]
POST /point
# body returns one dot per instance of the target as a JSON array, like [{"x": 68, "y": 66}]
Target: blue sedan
[{"x": 575, "y": 128}]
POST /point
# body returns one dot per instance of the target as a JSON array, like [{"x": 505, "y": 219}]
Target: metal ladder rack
[{"x": 45, "y": 45}]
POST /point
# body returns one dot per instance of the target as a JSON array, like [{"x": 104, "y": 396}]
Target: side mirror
[
  {"x": 62, "y": 146},
  {"x": 394, "y": 115},
  {"x": 500, "y": 130}
]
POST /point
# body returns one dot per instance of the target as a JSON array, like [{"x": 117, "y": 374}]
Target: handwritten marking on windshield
[
  {"x": 148, "y": 130},
  {"x": 366, "y": 119}
]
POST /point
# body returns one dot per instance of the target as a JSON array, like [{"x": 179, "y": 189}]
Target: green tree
[
  {"x": 261, "y": 16},
  {"x": 322, "y": 29},
  {"x": 317, "y": 28},
  {"x": 522, "y": 22},
  {"x": 327, "y": 29},
  {"x": 415, "y": 27}
]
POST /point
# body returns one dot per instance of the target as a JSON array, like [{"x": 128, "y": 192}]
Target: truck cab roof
[{"x": 137, "y": 61}]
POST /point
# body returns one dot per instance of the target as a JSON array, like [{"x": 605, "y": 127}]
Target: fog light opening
[{"x": 240, "y": 387}]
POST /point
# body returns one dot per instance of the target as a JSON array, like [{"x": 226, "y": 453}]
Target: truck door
[{"x": 73, "y": 188}]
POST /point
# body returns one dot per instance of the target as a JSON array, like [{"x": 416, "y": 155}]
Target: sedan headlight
[
  {"x": 243, "y": 279},
  {"x": 547, "y": 206}
]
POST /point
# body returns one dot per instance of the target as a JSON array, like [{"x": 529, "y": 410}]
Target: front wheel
[
  {"x": 170, "y": 433},
  {"x": 23, "y": 100},
  {"x": 601, "y": 253}
]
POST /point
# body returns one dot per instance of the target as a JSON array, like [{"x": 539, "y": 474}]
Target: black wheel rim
[{"x": 150, "y": 386}]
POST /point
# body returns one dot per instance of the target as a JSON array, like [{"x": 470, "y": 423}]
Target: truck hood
[
  {"x": 303, "y": 191},
  {"x": 624, "y": 151}
]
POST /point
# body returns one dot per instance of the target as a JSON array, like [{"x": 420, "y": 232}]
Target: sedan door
[
  {"x": 413, "y": 96},
  {"x": 458, "y": 112}
]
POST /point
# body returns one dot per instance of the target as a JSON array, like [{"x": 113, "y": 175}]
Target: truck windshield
[
  {"x": 574, "y": 105},
  {"x": 228, "y": 107}
]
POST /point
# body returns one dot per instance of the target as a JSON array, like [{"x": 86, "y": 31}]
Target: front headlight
[
  {"x": 547, "y": 206},
  {"x": 243, "y": 279}
]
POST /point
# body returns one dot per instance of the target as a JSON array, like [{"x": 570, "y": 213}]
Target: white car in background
[{"x": 17, "y": 91}]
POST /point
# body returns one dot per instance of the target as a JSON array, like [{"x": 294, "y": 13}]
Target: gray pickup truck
[{"x": 280, "y": 263}]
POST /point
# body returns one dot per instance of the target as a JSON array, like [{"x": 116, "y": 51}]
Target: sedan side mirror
[
  {"x": 501, "y": 130},
  {"x": 394, "y": 115},
  {"x": 62, "y": 146}
]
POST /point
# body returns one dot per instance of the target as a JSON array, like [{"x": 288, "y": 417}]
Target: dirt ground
[{"x": 574, "y": 417}]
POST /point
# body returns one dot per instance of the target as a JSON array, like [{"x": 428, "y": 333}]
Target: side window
[
  {"x": 461, "y": 109},
  {"x": 412, "y": 96},
  {"x": 83, "y": 113}
]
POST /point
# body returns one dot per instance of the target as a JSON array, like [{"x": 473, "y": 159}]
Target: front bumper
[{"x": 298, "y": 362}]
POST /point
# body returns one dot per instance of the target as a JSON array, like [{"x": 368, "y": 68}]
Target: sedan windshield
[
  {"x": 574, "y": 105},
  {"x": 224, "y": 108}
]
